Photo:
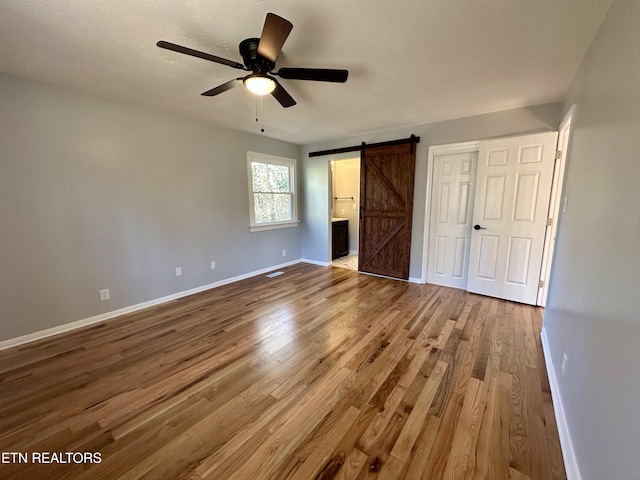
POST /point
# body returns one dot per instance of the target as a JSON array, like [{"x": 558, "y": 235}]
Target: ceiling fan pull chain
[{"x": 261, "y": 116}]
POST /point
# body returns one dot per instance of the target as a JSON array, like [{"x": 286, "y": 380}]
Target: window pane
[
  {"x": 272, "y": 207},
  {"x": 270, "y": 178}
]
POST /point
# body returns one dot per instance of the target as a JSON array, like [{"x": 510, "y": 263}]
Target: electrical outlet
[
  {"x": 355, "y": 207},
  {"x": 213, "y": 265},
  {"x": 104, "y": 295},
  {"x": 284, "y": 253},
  {"x": 178, "y": 271},
  {"x": 564, "y": 364}
]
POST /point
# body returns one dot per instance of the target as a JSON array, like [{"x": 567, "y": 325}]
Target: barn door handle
[
  {"x": 478, "y": 227},
  {"x": 361, "y": 207}
]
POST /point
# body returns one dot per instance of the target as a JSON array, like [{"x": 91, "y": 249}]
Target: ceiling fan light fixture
[{"x": 260, "y": 84}]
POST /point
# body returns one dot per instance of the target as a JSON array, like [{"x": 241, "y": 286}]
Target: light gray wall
[
  {"x": 593, "y": 311},
  {"x": 97, "y": 194},
  {"x": 315, "y": 178}
]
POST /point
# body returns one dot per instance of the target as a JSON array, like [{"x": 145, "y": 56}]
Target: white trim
[
  {"x": 291, "y": 164},
  {"x": 324, "y": 264},
  {"x": 273, "y": 226},
  {"x": 434, "y": 150},
  {"x": 564, "y": 136},
  {"x": 570, "y": 461},
  {"x": 408, "y": 280},
  {"x": 32, "y": 337},
  {"x": 449, "y": 148},
  {"x": 315, "y": 262},
  {"x": 330, "y": 164}
]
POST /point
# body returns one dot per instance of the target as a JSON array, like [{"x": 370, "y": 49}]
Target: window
[{"x": 272, "y": 201}]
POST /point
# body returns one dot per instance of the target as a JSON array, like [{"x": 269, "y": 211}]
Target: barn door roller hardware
[{"x": 358, "y": 148}]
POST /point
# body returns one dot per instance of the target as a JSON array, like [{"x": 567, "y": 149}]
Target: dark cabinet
[{"x": 340, "y": 238}]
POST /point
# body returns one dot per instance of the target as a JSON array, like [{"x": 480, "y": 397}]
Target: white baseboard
[
  {"x": 325, "y": 264},
  {"x": 353, "y": 252},
  {"x": 315, "y": 262},
  {"x": 31, "y": 337},
  {"x": 570, "y": 462}
]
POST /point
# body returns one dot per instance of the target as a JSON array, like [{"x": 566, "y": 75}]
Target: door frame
[
  {"x": 435, "y": 150},
  {"x": 335, "y": 158},
  {"x": 332, "y": 201},
  {"x": 563, "y": 146}
]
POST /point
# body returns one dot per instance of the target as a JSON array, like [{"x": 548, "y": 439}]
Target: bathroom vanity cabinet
[{"x": 340, "y": 237}]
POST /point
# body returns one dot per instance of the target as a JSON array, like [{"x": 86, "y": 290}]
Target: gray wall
[
  {"x": 97, "y": 194},
  {"x": 593, "y": 311},
  {"x": 315, "y": 178}
]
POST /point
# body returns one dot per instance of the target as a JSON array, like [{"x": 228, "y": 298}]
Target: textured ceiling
[{"x": 410, "y": 62}]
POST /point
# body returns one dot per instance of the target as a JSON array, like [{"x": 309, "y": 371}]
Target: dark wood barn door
[{"x": 386, "y": 203}]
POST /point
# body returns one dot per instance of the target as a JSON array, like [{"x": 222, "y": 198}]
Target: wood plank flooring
[{"x": 320, "y": 373}]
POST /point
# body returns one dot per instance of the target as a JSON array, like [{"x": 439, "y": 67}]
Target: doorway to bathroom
[{"x": 345, "y": 208}]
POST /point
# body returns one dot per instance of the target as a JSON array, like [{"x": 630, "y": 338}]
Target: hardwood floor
[{"x": 320, "y": 373}]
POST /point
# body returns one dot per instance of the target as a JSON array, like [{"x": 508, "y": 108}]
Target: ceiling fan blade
[
  {"x": 224, "y": 87},
  {"x": 196, "y": 53},
  {"x": 280, "y": 94},
  {"x": 317, "y": 74},
  {"x": 274, "y": 33}
]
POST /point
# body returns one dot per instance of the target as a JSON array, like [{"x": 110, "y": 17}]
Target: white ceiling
[{"x": 410, "y": 62}]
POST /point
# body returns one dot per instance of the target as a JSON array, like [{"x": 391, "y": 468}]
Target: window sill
[{"x": 273, "y": 226}]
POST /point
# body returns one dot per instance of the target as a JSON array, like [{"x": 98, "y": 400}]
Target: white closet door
[
  {"x": 510, "y": 216},
  {"x": 451, "y": 216}
]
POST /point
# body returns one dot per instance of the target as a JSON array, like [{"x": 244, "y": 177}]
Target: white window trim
[{"x": 287, "y": 162}]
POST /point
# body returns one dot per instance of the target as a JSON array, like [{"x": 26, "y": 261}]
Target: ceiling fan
[{"x": 259, "y": 56}]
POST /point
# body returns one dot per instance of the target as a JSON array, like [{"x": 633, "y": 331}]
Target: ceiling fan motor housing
[{"x": 252, "y": 60}]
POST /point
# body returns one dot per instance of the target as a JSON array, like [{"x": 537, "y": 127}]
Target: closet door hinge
[
  {"x": 540, "y": 283},
  {"x": 558, "y": 154},
  {"x": 549, "y": 222}
]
